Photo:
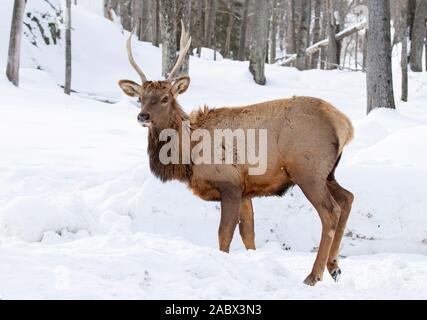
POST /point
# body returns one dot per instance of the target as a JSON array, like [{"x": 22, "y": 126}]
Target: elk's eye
[{"x": 165, "y": 100}]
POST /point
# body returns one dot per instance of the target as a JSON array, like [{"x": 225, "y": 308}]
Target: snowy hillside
[{"x": 81, "y": 216}]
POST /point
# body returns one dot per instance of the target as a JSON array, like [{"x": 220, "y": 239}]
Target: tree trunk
[
  {"x": 155, "y": 13},
  {"x": 418, "y": 33},
  {"x": 67, "y": 85},
  {"x": 403, "y": 35},
  {"x": 229, "y": 29},
  {"x": 379, "y": 74},
  {"x": 291, "y": 43},
  {"x": 282, "y": 25},
  {"x": 303, "y": 34},
  {"x": 324, "y": 34},
  {"x": 243, "y": 31},
  {"x": 185, "y": 16},
  {"x": 316, "y": 31},
  {"x": 12, "y": 70},
  {"x": 365, "y": 51},
  {"x": 141, "y": 12},
  {"x": 199, "y": 28},
  {"x": 332, "y": 59},
  {"x": 210, "y": 11},
  {"x": 106, "y": 8},
  {"x": 125, "y": 16},
  {"x": 168, "y": 34},
  {"x": 259, "y": 42},
  {"x": 273, "y": 31}
]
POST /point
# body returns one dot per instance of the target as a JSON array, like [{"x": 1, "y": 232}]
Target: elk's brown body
[{"x": 305, "y": 136}]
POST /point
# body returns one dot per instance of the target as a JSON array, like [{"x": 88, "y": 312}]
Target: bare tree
[
  {"x": 67, "y": 85},
  {"x": 168, "y": 35},
  {"x": 259, "y": 42},
  {"x": 13, "y": 61},
  {"x": 291, "y": 45},
  {"x": 303, "y": 34},
  {"x": 333, "y": 48},
  {"x": 210, "y": 13},
  {"x": 404, "y": 34},
  {"x": 125, "y": 14},
  {"x": 155, "y": 13},
  {"x": 184, "y": 16},
  {"x": 273, "y": 31},
  {"x": 418, "y": 34},
  {"x": 229, "y": 29},
  {"x": 316, "y": 31},
  {"x": 243, "y": 31},
  {"x": 106, "y": 8},
  {"x": 379, "y": 74}
]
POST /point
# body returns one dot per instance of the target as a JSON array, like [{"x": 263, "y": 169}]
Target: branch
[{"x": 323, "y": 43}]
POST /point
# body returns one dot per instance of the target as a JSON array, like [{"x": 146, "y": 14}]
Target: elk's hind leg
[
  {"x": 345, "y": 200},
  {"x": 329, "y": 211},
  {"x": 230, "y": 209},
  {"x": 246, "y": 224}
]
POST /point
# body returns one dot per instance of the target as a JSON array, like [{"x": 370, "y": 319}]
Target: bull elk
[{"x": 305, "y": 141}]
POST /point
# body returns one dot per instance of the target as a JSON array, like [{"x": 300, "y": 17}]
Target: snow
[{"x": 81, "y": 216}]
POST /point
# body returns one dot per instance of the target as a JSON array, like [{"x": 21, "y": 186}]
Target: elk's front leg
[{"x": 230, "y": 208}]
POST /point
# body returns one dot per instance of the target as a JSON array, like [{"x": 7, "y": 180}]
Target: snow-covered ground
[{"x": 81, "y": 216}]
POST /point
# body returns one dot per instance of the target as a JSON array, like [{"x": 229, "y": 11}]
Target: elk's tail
[{"x": 345, "y": 132}]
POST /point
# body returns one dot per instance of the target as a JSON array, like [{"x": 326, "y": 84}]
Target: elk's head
[{"x": 158, "y": 98}]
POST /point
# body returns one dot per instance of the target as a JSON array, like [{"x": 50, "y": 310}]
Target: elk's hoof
[
  {"x": 311, "y": 280},
  {"x": 336, "y": 274}
]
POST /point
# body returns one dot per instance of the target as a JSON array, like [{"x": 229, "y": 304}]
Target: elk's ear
[
  {"x": 131, "y": 88},
  {"x": 180, "y": 85}
]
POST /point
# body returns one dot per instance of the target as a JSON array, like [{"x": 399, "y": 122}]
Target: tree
[
  {"x": 13, "y": 61},
  {"x": 243, "y": 31},
  {"x": 273, "y": 31},
  {"x": 379, "y": 74},
  {"x": 155, "y": 14},
  {"x": 229, "y": 29},
  {"x": 316, "y": 31},
  {"x": 210, "y": 11},
  {"x": 418, "y": 34},
  {"x": 198, "y": 25},
  {"x": 67, "y": 85},
  {"x": 259, "y": 42},
  {"x": 141, "y": 19},
  {"x": 184, "y": 16},
  {"x": 403, "y": 31},
  {"x": 125, "y": 14},
  {"x": 291, "y": 36},
  {"x": 333, "y": 47},
  {"x": 303, "y": 34},
  {"x": 168, "y": 35}
]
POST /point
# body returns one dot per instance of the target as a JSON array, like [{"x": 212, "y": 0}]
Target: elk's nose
[{"x": 143, "y": 117}]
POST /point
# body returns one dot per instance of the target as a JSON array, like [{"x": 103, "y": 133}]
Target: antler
[
  {"x": 183, "y": 49},
  {"x": 132, "y": 60}
]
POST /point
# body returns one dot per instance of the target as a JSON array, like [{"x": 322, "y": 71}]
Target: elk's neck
[{"x": 167, "y": 172}]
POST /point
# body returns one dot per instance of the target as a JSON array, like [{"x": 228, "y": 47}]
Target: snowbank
[{"x": 77, "y": 197}]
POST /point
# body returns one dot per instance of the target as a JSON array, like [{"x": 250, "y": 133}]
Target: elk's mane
[{"x": 168, "y": 172}]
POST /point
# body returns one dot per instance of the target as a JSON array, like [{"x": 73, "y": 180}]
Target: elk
[{"x": 306, "y": 138}]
